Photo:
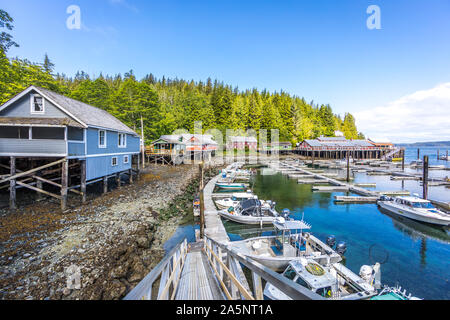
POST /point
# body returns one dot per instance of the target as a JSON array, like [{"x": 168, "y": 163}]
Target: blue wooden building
[{"x": 41, "y": 129}]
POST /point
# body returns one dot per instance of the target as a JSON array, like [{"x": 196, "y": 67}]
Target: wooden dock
[{"x": 211, "y": 270}]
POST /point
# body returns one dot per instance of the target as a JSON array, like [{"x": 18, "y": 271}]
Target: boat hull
[
  {"x": 411, "y": 215},
  {"x": 247, "y": 219}
]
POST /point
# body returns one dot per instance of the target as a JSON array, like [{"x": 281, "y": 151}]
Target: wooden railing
[
  {"x": 168, "y": 271},
  {"x": 227, "y": 275}
]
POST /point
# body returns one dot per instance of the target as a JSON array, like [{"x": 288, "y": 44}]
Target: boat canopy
[{"x": 291, "y": 225}]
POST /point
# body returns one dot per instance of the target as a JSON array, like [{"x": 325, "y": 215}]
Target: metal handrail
[
  {"x": 288, "y": 287},
  {"x": 143, "y": 290}
]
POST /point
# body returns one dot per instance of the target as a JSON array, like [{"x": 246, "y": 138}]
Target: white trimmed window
[
  {"x": 126, "y": 159},
  {"x": 114, "y": 161},
  {"x": 37, "y": 104},
  {"x": 122, "y": 140},
  {"x": 101, "y": 138}
]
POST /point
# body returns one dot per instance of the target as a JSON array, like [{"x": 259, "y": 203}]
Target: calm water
[
  {"x": 417, "y": 256},
  {"x": 431, "y": 152}
]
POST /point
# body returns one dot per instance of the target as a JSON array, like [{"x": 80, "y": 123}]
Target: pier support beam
[
  {"x": 83, "y": 179},
  {"x": 12, "y": 184},
  {"x": 118, "y": 179},
  {"x": 64, "y": 182},
  {"x": 105, "y": 184}
]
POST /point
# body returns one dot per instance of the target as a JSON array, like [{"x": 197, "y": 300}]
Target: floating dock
[{"x": 352, "y": 199}]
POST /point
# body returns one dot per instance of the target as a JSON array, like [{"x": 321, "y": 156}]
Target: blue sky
[{"x": 321, "y": 50}]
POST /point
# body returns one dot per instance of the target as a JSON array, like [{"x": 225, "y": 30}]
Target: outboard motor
[
  {"x": 285, "y": 213},
  {"x": 341, "y": 247},
  {"x": 331, "y": 241}
]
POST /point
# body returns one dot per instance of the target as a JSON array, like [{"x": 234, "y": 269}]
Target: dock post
[
  {"x": 202, "y": 203},
  {"x": 312, "y": 158},
  {"x": 447, "y": 156},
  {"x": 403, "y": 159},
  {"x": 418, "y": 154},
  {"x": 105, "y": 184},
  {"x": 64, "y": 182},
  {"x": 83, "y": 179},
  {"x": 438, "y": 154},
  {"x": 12, "y": 184},
  {"x": 425, "y": 177},
  {"x": 131, "y": 175},
  {"x": 348, "y": 167}
]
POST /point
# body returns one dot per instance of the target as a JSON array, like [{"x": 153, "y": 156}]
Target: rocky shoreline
[{"x": 113, "y": 241}]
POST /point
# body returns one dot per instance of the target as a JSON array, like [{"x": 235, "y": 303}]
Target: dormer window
[{"x": 37, "y": 104}]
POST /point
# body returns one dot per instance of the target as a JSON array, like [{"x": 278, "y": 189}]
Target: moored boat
[
  {"x": 333, "y": 281},
  {"x": 415, "y": 208},
  {"x": 277, "y": 251},
  {"x": 230, "y": 185},
  {"x": 251, "y": 211}
]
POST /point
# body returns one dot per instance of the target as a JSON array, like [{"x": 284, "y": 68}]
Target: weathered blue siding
[
  {"x": 22, "y": 108},
  {"x": 97, "y": 167},
  {"x": 75, "y": 149},
  {"x": 112, "y": 143}
]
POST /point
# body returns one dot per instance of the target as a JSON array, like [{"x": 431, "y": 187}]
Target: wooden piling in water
[{"x": 425, "y": 177}]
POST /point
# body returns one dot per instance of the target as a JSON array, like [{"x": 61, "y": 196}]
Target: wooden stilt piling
[
  {"x": 64, "y": 182},
  {"x": 12, "y": 184},
  {"x": 83, "y": 179}
]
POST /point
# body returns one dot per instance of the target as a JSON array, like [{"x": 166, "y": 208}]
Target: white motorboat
[
  {"x": 333, "y": 281},
  {"x": 276, "y": 252},
  {"x": 415, "y": 208},
  {"x": 235, "y": 199},
  {"x": 251, "y": 211}
]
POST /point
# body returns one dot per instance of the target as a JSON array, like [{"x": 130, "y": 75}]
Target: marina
[{"x": 361, "y": 248}]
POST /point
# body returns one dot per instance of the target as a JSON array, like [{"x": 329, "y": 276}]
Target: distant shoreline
[{"x": 425, "y": 144}]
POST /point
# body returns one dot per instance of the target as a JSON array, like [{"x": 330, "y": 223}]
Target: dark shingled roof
[
  {"x": 88, "y": 114},
  {"x": 42, "y": 121}
]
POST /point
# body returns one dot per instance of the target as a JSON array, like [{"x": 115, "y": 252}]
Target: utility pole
[
  {"x": 143, "y": 142},
  {"x": 202, "y": 203},
  {"x": 425, "y": 177}
]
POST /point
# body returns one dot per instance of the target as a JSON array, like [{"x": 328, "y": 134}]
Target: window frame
[
  {"x": 124, "y": 140},
  {"x": 112, "y": 161},
  {"x": 102, "y": 146},
  {"x": 32, "y": 111},
  {"x": 126, "y": 157}
]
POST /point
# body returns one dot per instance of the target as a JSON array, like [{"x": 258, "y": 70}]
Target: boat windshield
[{"x": 424, "y": 205}]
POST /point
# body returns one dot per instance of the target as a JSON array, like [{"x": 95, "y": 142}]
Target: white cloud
[
  {"x": 126, "y": 4},
  {"x": 418, "y": 117}
]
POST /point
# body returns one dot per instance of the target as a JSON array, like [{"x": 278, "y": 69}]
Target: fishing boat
[
  {"x": 415, "y": 208},
  {"x": 333, "y": 281},
  {"x": 230, "y": 185},
  {"x": 277, "y": 251},
  {"x": 394, "y": 293},
  {"x": 235, "y": 199},
  {"x": 251, "y": 211}
]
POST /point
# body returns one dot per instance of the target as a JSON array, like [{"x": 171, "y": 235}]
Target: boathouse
[
  {"x": 240, "y": 143},
  {"x": 50, "y": 140},
  {"x": 179, "y": 148},
  {"x": 339, "y": 148}
]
